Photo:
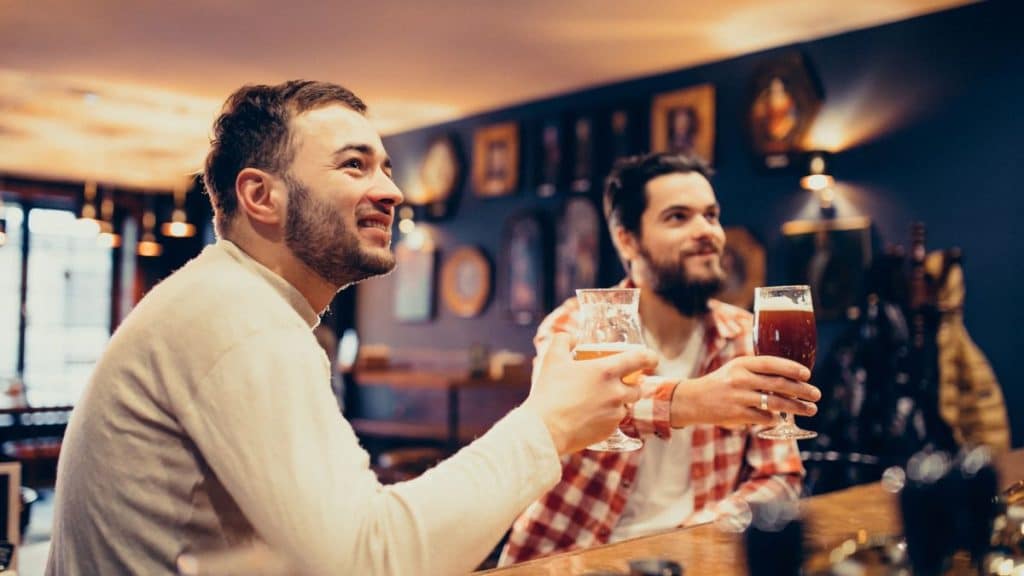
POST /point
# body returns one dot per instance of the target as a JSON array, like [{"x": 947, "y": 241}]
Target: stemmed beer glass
[
  {"x": 784, "y": 326},
  {"x": 610, "y": 324}
]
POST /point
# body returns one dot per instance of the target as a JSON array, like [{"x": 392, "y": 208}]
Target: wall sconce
[
  {"x": 148, "y": 246},
  {"x": 107, "y": 236},
  {"x": 820, "y": 182},
  {"x": 178, "y": 226}
]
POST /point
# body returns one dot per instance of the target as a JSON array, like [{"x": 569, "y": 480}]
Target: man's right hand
[
  {"x": 731, "y": 395},
  {"x": 582, "y": 402}
]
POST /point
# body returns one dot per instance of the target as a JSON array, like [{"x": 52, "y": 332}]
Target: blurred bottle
[{"x": 774, "y": 541}]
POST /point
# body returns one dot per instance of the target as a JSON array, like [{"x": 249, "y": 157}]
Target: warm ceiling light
[
  {"x": 148, "y": 246},
  {"x": 107, "y": 237},
  {"x": 88, "y": 213},
  {"x": 178, "y": 226}
]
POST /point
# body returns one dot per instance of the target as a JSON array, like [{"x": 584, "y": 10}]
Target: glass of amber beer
[
  {"x": 784, "y": 326},
  {"x": 609, "y": 324}
]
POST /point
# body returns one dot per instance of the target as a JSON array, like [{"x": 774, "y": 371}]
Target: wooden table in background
[
  {"x": 449, "y": 382},
  {"x": 829, "y": 520}
]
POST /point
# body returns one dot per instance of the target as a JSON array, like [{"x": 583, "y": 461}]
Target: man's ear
[
  {"x": 625, "y": 242},
  {"x": 261, "y": 196}
]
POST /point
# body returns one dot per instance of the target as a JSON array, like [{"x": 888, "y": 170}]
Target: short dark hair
[
  {"x": 625, "y": 189},
  {"x": 253, "y": 131}
]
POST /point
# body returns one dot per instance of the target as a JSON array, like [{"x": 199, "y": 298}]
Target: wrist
[
  {"x": 684, "y": 408},
  {"x": 559, "y": 437}
]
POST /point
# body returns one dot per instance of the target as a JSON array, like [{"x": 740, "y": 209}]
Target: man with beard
[
  {"x": 701, "y": 459},
  {"x": 208, "y": 438}
]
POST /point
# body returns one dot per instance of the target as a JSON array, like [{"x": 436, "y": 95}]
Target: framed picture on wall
[
  {"x": 784, "y": 100},
  {"x": 414, "y": 282},
  {"x": 583, "y": 154},
  {"x": 832, "y": 257},
  {"x": 524, "y": 268},
  {"x": 466, "y": 281},
  {"x": 440, "y": 177},
  {"x": 623, "y": 129},
  {"x": 744, "y": 264},
  {"x": 549, "y": 144},
  {"x": 684, "y": 121},
  {"x": 577, "y": 249},
  {"x": 496, "y": 160}
]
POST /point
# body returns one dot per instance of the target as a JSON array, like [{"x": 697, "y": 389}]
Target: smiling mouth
[{"x": 375, "y": 224}]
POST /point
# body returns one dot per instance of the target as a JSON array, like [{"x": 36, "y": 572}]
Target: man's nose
[{"x": 385, "y": 191}]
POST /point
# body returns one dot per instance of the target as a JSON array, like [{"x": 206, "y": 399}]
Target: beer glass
[
  {"x": 609, "y": 324},
  {"x": 784, "y": 326}
]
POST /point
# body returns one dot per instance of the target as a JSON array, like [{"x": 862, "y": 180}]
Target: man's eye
[
  {"x": 353, "y": 163},
  {"x": 712, "y": 216},
  {"x": 676, "y": 217}
]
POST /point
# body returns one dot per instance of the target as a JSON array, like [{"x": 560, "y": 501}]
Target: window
[
  {"x": 10, "y": 294},
  {"x": 67, "y": 302}
]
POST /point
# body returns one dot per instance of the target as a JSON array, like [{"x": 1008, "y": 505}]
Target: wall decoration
[
  {"x": 440, "y": 176},
  {"x": 622, "y": 132},
  {"x": 525, "y": 269},
  {"x": 784, "y": 99},
  {"x": 744, "y": 263},
  {"x": 466, "y": 281},
  {"x": 496, "y": 160},
  {"x": 549, "y": 143},
  {"x": 577, "y": 251},
  {"x": 831, "y": 256},
  {"x": 583, "y": 154},
  {"x": 684, "y": 121},
  {"x": 414, "y": 283}
]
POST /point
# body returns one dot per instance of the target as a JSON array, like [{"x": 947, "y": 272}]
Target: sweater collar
[{"x": 289, "y": 293}]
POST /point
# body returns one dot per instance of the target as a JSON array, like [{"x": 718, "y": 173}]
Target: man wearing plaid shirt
[{"x": 701, "y": 459}]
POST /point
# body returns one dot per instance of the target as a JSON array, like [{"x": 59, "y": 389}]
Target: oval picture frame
[{"x": 466, "y": 282}]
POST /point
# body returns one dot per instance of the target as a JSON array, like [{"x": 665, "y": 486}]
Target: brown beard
[
  {"x": 670, "y": 282},
  {"x": 316, "y": 233}
]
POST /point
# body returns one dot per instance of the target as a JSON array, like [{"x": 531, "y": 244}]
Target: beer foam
[
  {"x": 783, "y": 304},
  {"x": 608, "y": 347}
]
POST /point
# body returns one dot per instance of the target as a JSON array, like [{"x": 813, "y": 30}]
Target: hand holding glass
[
  {"x": 784, "y": 326},
  {"x": 610, "y": 323}
]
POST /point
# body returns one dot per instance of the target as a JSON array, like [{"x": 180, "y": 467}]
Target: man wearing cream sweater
[{"x": 209, "y": 423}]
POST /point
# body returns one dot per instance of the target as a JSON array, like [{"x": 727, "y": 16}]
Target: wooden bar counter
[{"x": 829, "y": 520}]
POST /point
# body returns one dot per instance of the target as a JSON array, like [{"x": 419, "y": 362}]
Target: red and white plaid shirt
[{"x": 729, "y": 466}]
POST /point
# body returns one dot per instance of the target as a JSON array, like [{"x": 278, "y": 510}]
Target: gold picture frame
[
  {"x": 683, "y": 121},
  {"x": 496, "y": 160},
  {"x": 466, "y": 282}
]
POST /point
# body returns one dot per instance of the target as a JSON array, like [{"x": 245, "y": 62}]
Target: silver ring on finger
[{"x": 764, "y": 401}]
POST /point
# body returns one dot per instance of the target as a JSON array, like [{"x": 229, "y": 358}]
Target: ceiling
[{"x": 124, "y": 92}]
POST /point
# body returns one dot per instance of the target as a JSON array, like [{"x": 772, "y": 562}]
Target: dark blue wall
[{"x": 932, "y": 109}]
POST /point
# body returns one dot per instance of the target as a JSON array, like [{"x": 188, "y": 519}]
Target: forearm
[{"x": 485, "y": 486}]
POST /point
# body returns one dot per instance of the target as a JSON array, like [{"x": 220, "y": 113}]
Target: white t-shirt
[
  {"x": 210, "y": 422},
  {"x": 662, "y": 496}
]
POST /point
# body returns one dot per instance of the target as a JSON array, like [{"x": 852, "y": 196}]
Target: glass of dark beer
[
  {"x": 784, "y": 326},
  {"x": 609, "y": 324}
]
